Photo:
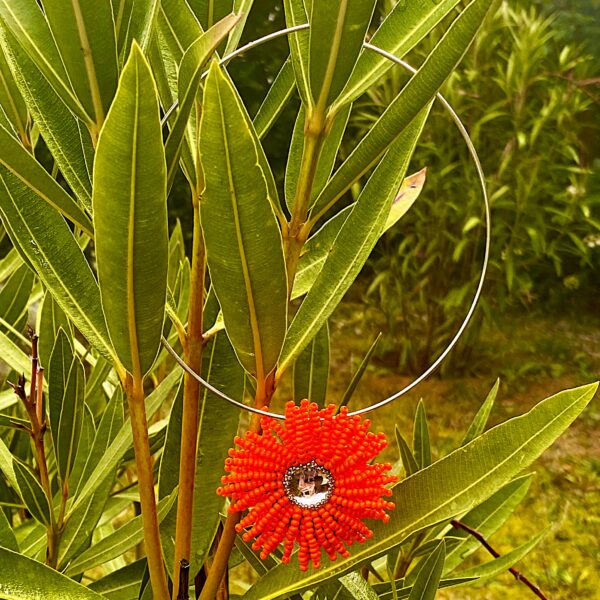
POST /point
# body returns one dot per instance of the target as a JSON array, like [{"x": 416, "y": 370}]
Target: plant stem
[
  {"x": 33, "y": 406},
  {"x": 143, "y": 460},
  {"x": 191, "y": 393},
  {"x": 516, "y": 574},
  {"x": 297, "y": 233},
  {"x": 264, "y": 392}
]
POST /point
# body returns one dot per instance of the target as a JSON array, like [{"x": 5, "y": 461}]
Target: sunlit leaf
[
  {"x": 130, "y": 197},
  {"x": 26, "y": 579},
  {"x": 243, "y": 241}
]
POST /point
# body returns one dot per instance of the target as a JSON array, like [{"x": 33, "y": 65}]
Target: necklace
[{"x": 311, "y": 480}]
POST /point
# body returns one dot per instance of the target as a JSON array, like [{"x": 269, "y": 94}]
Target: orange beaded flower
[{"x": 309, "y": 481}]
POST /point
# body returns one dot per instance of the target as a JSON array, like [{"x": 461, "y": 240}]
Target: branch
[{"x": 516, "y": 574}]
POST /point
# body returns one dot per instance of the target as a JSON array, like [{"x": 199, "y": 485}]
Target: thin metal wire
[{"x": 464, "y": 133}]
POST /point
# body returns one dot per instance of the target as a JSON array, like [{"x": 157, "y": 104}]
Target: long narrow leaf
[
  {"x": 295, "y": 14},
  {"x": 243, "y": 241},
  {"x": 26, "y": 579},
  {"x": 403, "y": 28},
  {"x": 130, "y": 198},
  {"x": 22, "y": 164},
  {"x": 66, "y": 389},
  {"x": 32, "y": 493},
  {"x": 190, "y": 74},
  {"x": 430, "y": 573},
  {"x": 117, "y": 543},
  {"x": 27, "y": 22},
  {"x": 317, "y": 249},
  {"x": 85, "y": 35},
  {"x": 486, "y": 518},
  {"x": 61, "y": 130},
  {"x": 481, "y": 418},
  {"x": 44, "y": 238},
  {"x": 337, "y": 33},
  {"x": 276, "y": 99}
]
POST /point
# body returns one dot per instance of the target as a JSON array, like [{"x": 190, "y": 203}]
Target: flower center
[{"x": 308, "y": 485}]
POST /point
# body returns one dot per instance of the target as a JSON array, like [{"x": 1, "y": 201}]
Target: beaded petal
[{"x": 308, "y": 482}]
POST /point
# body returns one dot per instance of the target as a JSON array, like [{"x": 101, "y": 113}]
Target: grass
[{"x": 535, "y": 356}]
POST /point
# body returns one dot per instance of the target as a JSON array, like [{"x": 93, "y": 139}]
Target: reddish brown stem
[
  {"x": 143, "y": 461},
  {"x": 190, "y": 416},
  {"x": 516, "y": 574},
  {"x": 264, "y": 393}
]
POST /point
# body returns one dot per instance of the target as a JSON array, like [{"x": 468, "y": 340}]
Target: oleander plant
[{"x": 121, "y": 475}]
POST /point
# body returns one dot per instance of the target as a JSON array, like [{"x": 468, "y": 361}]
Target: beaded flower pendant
[{"x": 309, "y": 482}]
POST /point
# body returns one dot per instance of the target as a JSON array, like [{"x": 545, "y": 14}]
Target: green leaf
[
  {"x": 9, "y": 422},
  {"x": 357, "y": 587},
  {"x": 32, "y": 493},
  {"x": 317, "y": 248},
  {"x": 417, "y": 93},
  {"x": 130, "y": 197},
  {"x": 357, "y": 376},
  {"x": 311, "y": 370},
  {"x": 66, "y": 389},
  {"x": 385, "y": 591},
  {"x": 13, "y": 356},
  {"x": 134, "y": 20},
  {"x": 122, "y": 441},
  {"x": 242, "y": 8},
  {"x": 451, "y": 486},
  {"x": 61, "y": 130},
  {"x": 122, "y": 584},
  {"x": 355, "y": 241},
  {"x": 85, "y": 35},
  {"x": 27, "y": 579},
  {"x": 10, "y": 263},
  {"x": 27, "y": 22},
  {"x": 51, "y": 318},
  {"x": 82, "y": 522},
  {"x": 243, "y": 240},
  {"x": 406, "y": 456},
  {"x": 486, "y": 518},
  {"x": 190, "y": 75},
  {"x": 421, "y": 443},
  {"x": 117, "y": 543},
  {"x": 45, "y": 239},
  {"x": 15, "y": 294},
  {"x": 108, "y": 429},
  {"x": 430, "y": 573},
  {"x": 337, "y": 33},
  {"x": 481, "y": 418},
  {"x": 327, "y": 156},
  {"x": 6, "y": 465},
  {"x": 11, "y": 100},
  {"x": 179, "y": 27},
  {"x": 276, "y": 100},
  {"x": 295, "y": 15},
  {"x": 7, "y": 535},
  {"x": 403, "y": 28}
]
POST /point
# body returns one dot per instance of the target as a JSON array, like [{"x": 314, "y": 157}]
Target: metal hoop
[{"x": 486, "y": 256}]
